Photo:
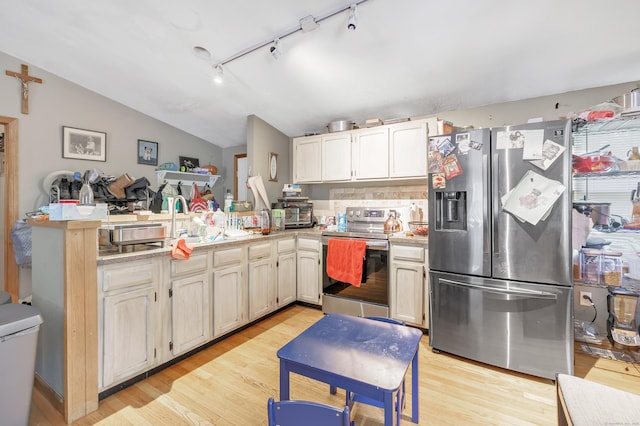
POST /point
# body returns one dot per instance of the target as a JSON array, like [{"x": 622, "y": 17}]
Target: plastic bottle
[
  {"x": 86, "y": 194},
  {"x": 228, "y": 202}
]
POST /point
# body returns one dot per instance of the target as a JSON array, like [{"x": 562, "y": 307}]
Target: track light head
[
  {"x": 218, "y": 76},
  {"x": 275, "y": 52},
  {"x": 353, "y": 18}
]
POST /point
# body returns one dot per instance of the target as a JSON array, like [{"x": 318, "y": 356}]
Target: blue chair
[
  {"x": 307, "y": 413},
  {"x": 352, "y": 397}
]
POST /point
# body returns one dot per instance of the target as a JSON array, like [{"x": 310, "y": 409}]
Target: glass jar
[
  {"x": 611, "y": 268},
  {"x": 265, "y": 222},
  {"x": 590, "y": 265}
]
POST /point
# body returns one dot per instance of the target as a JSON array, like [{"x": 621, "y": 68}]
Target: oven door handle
[
  {"x": 381, "y": 245},
  {"x": 378, "y": 245}
]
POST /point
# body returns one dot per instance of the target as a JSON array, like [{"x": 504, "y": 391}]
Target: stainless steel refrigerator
[{"x": 500, "y": 264}]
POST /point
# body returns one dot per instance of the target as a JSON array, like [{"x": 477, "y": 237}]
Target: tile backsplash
[{"x": 399, "y": 197}]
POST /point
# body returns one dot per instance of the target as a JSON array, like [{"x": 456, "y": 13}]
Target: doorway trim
[
  {"x": 235, "y": 171},
  {"x": 11, "y": 278}
]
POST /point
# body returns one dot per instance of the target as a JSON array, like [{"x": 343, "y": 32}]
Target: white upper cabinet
[
  {"x": 307, "y": 159},
  {"x": 371, "y": 153},
  {"x": 396, "y": 151},
  {"x": 408, "y": 149},
  {"x": 336, "y": 156}
]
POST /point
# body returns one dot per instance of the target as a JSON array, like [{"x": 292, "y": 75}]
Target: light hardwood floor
[{"x": 230, "y": 382}]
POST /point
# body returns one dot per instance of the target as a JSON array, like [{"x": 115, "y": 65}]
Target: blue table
[{"x": 370, "y": 358}]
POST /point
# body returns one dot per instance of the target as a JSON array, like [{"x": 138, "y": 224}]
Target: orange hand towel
[
  {"x": 181, "y": 250},
  {"x": 344, "y": 260}
]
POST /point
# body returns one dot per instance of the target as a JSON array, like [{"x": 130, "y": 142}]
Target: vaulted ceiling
[{"x": 405, "y": 57}]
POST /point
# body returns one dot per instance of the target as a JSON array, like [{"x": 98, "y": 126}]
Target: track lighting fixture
[
  {"x": 274, "y": 50},
  {"x": 353, "y": 18},
  {"x": 306, "y": 24},
  {"x": 218, "y": 76}
]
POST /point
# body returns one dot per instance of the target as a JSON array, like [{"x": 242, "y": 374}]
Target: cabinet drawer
[
  {"x": 414, "y": 254},
  {"x": 259, "y": 251},
  {"x": 308, "y": 244},
  {"x": 227, "y": 257},
  {"x": 285, "y": 246},
  {"x": 192, "y": 265},
  {"x": 132, "y": 274}
]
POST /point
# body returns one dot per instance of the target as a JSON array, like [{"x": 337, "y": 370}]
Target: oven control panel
[{"x": 361, "y": 214}]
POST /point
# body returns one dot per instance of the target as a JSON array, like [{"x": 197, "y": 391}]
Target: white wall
[
  {"x": 56, "y": 103},
  {"x": 262, "y": 138},
  {"x": 518, "y": 112}
]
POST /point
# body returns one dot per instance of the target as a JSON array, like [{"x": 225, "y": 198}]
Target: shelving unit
[
  {"x": 619, "y": 136},
  {"x": 184, "y": 178}
]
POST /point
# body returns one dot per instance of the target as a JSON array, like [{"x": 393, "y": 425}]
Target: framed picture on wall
[
  {"x": 273, "y": 167},
  {"x": 84, "y": 144},
  {"x": 147, "y": 152}
]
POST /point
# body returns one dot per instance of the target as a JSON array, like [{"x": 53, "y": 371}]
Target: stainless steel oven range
[{"x": 372, "y": 297}]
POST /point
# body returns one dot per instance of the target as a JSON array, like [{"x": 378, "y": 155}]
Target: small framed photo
[
  {"x": 147, "y": 152},
  {"x": 187, "y": 164},
  {"x": 273, "y": 167},
  {"x": 84, "y": 144}
]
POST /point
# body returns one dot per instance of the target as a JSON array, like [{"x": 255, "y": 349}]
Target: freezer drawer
[{"x": 520, "y": 326}]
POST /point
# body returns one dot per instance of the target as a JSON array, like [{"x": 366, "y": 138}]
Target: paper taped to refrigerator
[
  {"x": 551, "y": 151},
  {"x": 533, "y": 197},
  {"x": 530, "y": 141}
]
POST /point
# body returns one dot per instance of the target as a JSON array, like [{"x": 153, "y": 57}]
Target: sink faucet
[{"x": 172, "y": 210}]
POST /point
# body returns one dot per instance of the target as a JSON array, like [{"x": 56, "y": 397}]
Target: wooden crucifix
[{"x": 25, "y": 79}]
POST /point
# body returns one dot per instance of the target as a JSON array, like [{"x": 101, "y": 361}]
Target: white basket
[{"x": 629, "y": 166}]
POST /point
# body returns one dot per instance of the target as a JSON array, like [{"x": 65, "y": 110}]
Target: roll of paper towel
[{"x": 259, "y": 193}]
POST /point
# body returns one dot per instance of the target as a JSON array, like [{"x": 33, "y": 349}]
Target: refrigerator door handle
[
  {"x": 496, "y": 204},
  {"x": 485, "y": 210},
  {"x": 504, "y": 291}
]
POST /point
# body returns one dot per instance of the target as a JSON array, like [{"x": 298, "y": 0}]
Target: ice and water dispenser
[{"x": 451, "y": 210}]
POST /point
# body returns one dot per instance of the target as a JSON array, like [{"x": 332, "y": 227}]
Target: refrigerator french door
[{"x": 501, "y": 289}]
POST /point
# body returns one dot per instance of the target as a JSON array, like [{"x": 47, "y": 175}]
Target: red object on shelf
[{"x": 593, "y": 163}]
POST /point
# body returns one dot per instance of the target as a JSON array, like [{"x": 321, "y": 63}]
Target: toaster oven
[{"x": 298, "y": 214}]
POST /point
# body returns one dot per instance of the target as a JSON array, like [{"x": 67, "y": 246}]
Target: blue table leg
[
  {"x": 388, "y": 409},
  {"x": 399, "y": 407},
  {"x": 284, "y": 381},
  {"x": 414, "y": 388}
]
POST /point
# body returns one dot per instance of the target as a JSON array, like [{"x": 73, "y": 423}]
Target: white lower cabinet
[
  {"x": 229, "y": 290},
  {"x": 408, "y": 285},
  {"x": 154, "y": 309},
  {"x": 286, "y": 272},
  {"x": 189, "y": 295},
  {"x": 309, "y": 270},
  {"x": 128, "y": 320},
  {"x": 262, "y": 286}
]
